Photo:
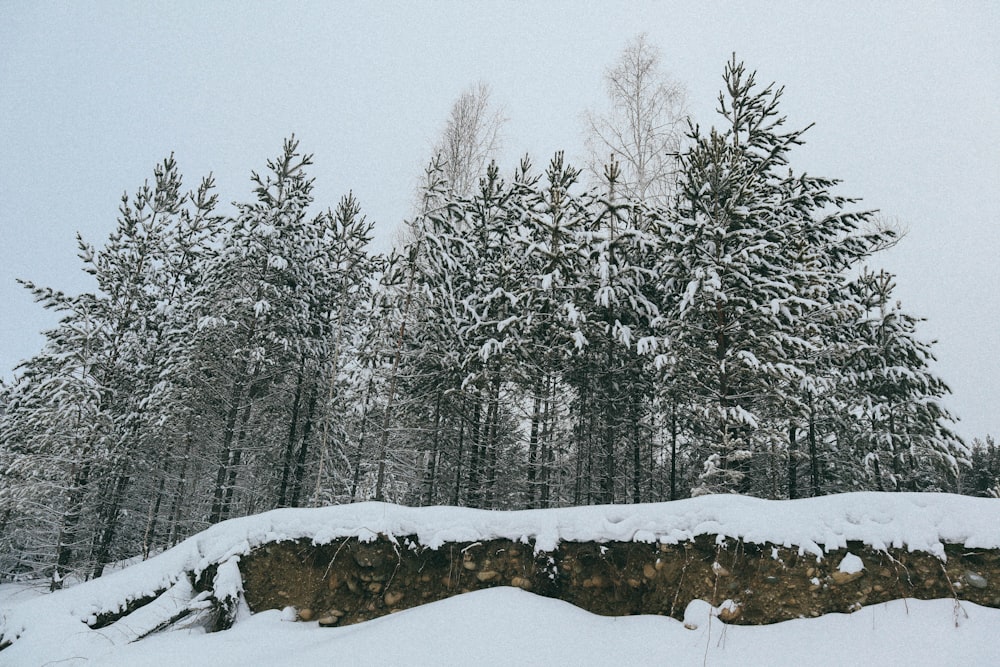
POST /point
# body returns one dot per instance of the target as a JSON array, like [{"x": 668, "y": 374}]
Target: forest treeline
[{"x": 536, "y": 339}]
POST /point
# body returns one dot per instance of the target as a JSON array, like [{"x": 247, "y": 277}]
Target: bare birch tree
[
  {"x": 470, "y": 139},
  {"x": 644, "y": 127}
]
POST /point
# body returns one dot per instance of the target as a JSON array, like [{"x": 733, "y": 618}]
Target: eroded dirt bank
[{"x": 348, "y": 581}]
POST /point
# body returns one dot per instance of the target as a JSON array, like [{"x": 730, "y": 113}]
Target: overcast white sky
[{"x": 905, "y": 97}]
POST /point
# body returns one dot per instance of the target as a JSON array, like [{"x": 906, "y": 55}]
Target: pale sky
[{"x": 905, "y": 97}]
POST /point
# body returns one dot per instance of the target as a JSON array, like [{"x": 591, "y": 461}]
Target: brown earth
[{"x": 348, "y": 581}]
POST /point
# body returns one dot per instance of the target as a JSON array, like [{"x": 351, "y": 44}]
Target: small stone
[
  {"x": 392, "y": 598},
  {"x": 469, "y": 564},
  {"x": 975, "y": 579},
  {"x": 719, "y": 570},
  {"x": 521, "y": 582},
  {"x": 336, "y": 612},
  {"x": 840, "y": 578},
  {"x": 697, "y": 614},
  {"x": 375, "y": 587},
  {"x": 366, "y": 557},
  {"x": 353, "y": 586},
  {"x": 305, "y": 614},
  {"x": 649, "y": 571},
  {"x": 729, "y": 611},
  {"x": 486, "y": 575},
  {"x": 333, "y": 583},
  {"x": 328, "y": 621},
  {"x": 634, "y": 583},
  {"x": 771, "y": 579}
]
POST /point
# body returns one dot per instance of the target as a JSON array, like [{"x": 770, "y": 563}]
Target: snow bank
[
  {"x": 505, "y": 626},
  {"x": 919, "y": 522}
]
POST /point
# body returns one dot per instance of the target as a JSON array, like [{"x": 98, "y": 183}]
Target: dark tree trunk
[
  {"x": 636, "y": 460},
  {"x": 473, "y": 493},
  {"x": 533, "y": 445},
  {"x": 545, "y": 446},
  {"x": 813, "y": 450},
  {"x": 149, "y": 535},
  {"x": 226, "y": 451},
  {"x": 458, "y": 457},
  {"x": 234, "y": 465},
  {"x": 109, "y": 520},
  {"x": 492, "y": 445},
  {"x": 673, "y": 449},
  {"x": 70, "y": 524},
  {"x": 300, "y": 462},
  {"x": 793, "y": 462},
  {"x": 356, "y": 479},
  {"x": 430, "y": 478},
  {"x": 286, "y": 460}
]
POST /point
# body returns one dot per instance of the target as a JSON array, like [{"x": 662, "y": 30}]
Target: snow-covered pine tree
[
  {"x": 904, "y": 432},
  {"x": 344, "y": 271},
  {"x": 260, "y": 322},
  {"x": 114, "y": 341},
  {"x": 54, "y": 439},
  {"x": 757, "y": 253}
]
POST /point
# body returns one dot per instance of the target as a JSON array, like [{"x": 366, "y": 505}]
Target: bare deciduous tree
[
  {"x": 471, "y": 138},
  {"x": 644, "y": 127}
]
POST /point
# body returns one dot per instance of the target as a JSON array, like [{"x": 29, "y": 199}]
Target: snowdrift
[{"x": 199, "y": 585}]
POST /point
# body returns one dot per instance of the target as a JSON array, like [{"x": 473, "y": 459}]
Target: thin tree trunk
[
  {"x": 636, "y": 460},
  {"x": 431, "y": 470},
  {"x": 356, "y": 479},
  {"x": 68, "y": 526},
  {"x": 546, "y": 454},
  {"x": 109, "y": 521},
  {"x": 793, "y": 463},
  {"x": 286, "y": 461},
  {"x": 458, "y": 464},
  {"x": 673, "y": 449},
  {"x": 175, "y": 508},
  {"x": 813, "y": 450},
  {"x": 473, "y": 493},
  {"x": 493, "y": 445},
  {"x": 608, "y": 473},
  {"x": 300, "y": 462},
  {"x": 225, "y": 452},
  {"x": 533, "y": 445},
  {"x": 897, "y": 471},
  {"x": 234, "y": 464}
]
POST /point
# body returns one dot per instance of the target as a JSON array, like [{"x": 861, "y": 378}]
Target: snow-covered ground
[{"x": 504, "y": 625}]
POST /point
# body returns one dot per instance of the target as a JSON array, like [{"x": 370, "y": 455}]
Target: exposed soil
[{"x": 348, "y": 581}]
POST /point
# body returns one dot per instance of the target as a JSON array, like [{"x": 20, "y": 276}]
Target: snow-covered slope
[{"x": 506, "y": 624}]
